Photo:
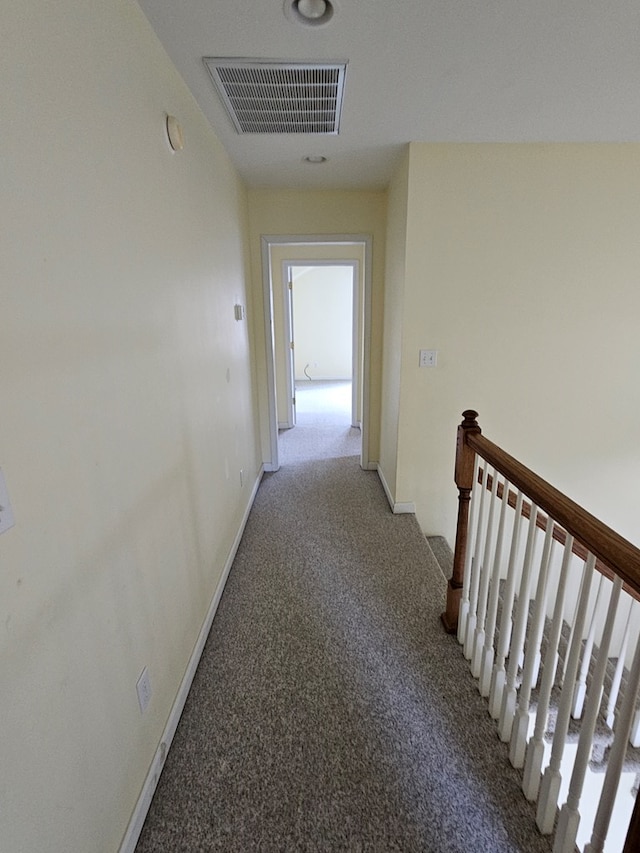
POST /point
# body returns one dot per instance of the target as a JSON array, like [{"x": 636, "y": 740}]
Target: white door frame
[
  {"x": 357, "y": 331},
  {"x": 287, "y": 303},
  {"x": 269, "y": 240}
]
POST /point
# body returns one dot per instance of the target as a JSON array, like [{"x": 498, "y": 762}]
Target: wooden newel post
[
  {"x": 632, "y": 842},
  {"x": 465, "y": 460}
]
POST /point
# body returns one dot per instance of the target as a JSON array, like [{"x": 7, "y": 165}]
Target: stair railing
[{"x": 546, "y": 621}]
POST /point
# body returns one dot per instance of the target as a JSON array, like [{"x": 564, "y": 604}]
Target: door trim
[
  {"x": 269, "y": 240},
  {"x": 287, "y": 303}
]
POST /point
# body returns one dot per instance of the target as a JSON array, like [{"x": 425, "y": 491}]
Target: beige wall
[
  {"x": 127, "y": 410},
  {"x": 522, "y": 270},
  {"x": 290, "y": 212},
  {"x": 393, "y": 323}
]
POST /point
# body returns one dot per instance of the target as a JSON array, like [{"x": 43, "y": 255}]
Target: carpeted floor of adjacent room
[{"x": 330, "y": 712}]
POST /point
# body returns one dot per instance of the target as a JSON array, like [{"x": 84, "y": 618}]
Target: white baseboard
[
  {"x": 404, "y": 506},
  {"x": 146, "y": 795},
  {"x": 396, "y": 508}
]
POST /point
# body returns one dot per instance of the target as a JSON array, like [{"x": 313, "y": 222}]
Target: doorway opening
[
  {"x": 317, "y": 326},
  {"x": 320, "y": 418}
]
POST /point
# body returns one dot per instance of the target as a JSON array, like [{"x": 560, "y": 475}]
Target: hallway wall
[
  {"x": 396, "y": 249},
  {"x": 522, "y": 271},
  {"x": 127, "y": 409}
]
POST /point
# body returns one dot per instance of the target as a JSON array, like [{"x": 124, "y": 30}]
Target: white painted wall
[
  {"x": 127, "y": 409},
  {"x": 522, "y": 270},
  {"x": 323, "y": 321}
]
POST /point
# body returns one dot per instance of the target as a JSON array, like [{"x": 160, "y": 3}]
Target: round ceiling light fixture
[
  {"x": 309, "y": 13},
  {"x": 314, "y": 159}
]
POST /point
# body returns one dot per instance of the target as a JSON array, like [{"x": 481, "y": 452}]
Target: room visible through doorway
[{"x": 322, "y": 325}]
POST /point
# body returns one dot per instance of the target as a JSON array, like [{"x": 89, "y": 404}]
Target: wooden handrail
[
  {"x": 609, "y": 547},
  {"x": 559, "y": 534}
]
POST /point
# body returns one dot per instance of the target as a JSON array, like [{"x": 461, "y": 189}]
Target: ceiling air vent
[{"x": 280, "y": 97}]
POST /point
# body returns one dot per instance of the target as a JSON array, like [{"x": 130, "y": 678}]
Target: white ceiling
[{"x": 420, "y": 70}]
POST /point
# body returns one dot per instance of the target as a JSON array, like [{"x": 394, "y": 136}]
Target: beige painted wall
[
  {"x": 290, "y": 212},
  {"x": 522, "y": 270},
  {"x": 393, "y": 323},
  {"x": 127, "y": 410}
]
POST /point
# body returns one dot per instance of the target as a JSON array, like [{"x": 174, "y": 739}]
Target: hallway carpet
[
  {"x": 323, "y": 424},
  {"x": 330, "y": 712}
]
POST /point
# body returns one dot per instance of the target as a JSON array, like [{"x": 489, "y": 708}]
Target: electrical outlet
[
  {"x": 6, "y": 513},
  {"x": 428, "y": 357},
  {"x": 143, "y": 688}
]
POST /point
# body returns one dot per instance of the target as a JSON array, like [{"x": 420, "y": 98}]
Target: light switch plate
[
  {"x": 428, "y": 358},
  {"x": 6, "y": 513}
]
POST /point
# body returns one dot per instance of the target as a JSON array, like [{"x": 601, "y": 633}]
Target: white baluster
[
  {"x": 509, "y": 697},
  {"x": 488, "y": 652},
  {"x": 520, "y": 729},
  {"x": 535, "y": 748},
  {"x": 634, "y": 737},
  {"x": 616, "y": 759},
  {"x": 483, "y": 593},
  {"x": 466, "y": 580},
  {"x": 498, "y": 675},
  {"x": 550, "y": 785},
  {"x": 617, "y": 675},
  {"x": 581, "y": 685},
  {"x": 569, "y": 820},
  {"x": 476, "y": 571},
  {"x": 569, "y": 643}
]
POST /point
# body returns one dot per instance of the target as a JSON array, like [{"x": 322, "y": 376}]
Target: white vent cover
[{"x": 263, "y": 96}]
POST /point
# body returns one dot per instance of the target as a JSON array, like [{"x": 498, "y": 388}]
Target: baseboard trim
[
  {"x": 148, "y": 789},
  {"x": 404, "y": 507},
  {"x": 397, "y": 508}
]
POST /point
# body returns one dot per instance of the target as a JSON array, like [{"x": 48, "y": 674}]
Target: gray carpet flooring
[
  {"x": 330, "y": 712},
  {"x": 323, "y": 424}
]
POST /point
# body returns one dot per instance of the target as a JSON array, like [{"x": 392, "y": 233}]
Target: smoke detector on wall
[{"x": 175, "y": 135}]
